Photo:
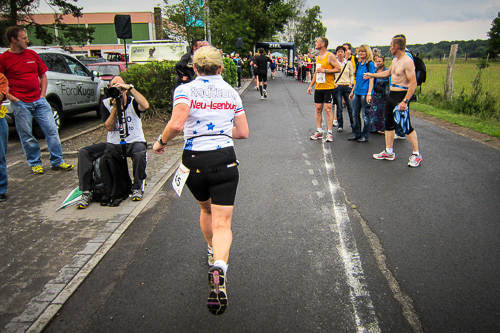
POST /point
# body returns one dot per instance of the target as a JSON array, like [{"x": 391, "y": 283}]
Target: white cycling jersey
[{"x": 213, "y": 105}]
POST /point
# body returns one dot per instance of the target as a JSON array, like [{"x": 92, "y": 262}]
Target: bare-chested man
[
  {"x": 403, "y": 84},
  {"x": 324, "y": 79}
]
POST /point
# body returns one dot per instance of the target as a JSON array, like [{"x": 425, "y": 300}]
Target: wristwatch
[
  {"x": 131, "y": 87},
  {"x": 406, "y": 100},
  {"x": 161, "y": 142}
]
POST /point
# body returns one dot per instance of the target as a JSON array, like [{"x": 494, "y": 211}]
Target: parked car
[
  {"x": 72, "y": 88},
  {"x": 92, "y": 60},
  {"x": 108, "y": 70}
]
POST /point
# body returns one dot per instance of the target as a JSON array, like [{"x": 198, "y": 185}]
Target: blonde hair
[
  {"x": 369, "y": 54},
  {"x": 207, "y": 60}
]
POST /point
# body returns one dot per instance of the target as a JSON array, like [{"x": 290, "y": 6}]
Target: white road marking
[{"x": 364, "y": 312}]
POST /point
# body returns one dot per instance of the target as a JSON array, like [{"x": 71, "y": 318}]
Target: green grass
[
  {"x": 486, "y": 126},
  {"x": 463, "y": 74}
]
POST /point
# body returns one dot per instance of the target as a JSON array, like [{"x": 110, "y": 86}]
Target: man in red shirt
[{"x": 25, "y": 71}]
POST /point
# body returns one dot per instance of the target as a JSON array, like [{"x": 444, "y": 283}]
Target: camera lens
[{"x": 113, "y": 92}]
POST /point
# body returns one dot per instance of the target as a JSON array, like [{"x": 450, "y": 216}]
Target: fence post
[{"x": 448, "y": 89}]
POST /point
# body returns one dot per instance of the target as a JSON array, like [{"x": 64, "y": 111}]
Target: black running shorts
[
  {"x": 214, "y": 180},
  {"x": 323, "y": 96},
  {"x": 262, "y": 77},
  {"x": 393, "y": 100}
]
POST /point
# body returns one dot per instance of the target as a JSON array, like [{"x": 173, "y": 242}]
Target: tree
[
  {"x": 494, "y": 40},
  {"x": 252, "y": 20},
  {"x": 185, "y": 20},
  {"x": 18, "y": 12},
  {"x": 309, "y": 29}
]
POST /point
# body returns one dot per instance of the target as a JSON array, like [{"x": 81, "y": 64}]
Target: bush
[
  {"x": 156, "y": 82},
  {"x": 229, "y": 72}
]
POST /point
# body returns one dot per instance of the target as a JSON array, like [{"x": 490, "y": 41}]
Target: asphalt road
[{"x": 326, "y": 239}]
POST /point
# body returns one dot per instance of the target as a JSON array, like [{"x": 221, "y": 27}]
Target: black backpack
[
  {"x": 111, "y": 183},
  {"x": 420, "y": 69}
]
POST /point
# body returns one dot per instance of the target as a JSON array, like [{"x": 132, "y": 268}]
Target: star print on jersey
[{"x": 213, "y": 104}]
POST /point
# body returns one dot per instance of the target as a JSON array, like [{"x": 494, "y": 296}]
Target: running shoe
[
  {"x": 340, "y": 129},
  {"x": 317, "y": 136},
  {"x": 397, "y": 137},
  {"x": 262, "y": 97},
  {"x": 265, "y": 93},
  {"x": 217, "y": 300},
  {"x": 329, "y": 137},
  {"x": 3, "y": 197},
  {"x": 136, "y": 195},
  {"x": 256, "y": 88},
  {"x": 415, "y": 160},
  {"x": 37, "y": 169},
  {"x": 385, "y": 156},
  {"x": 85, "y": 200},
  {"x": 63, "y": 166},
  {"x": 335, "y": 122}
]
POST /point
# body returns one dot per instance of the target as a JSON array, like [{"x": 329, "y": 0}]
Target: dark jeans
[
  {"x": 360, "y": 111},
  {"x": 87, "y": 156},
  {"x": 338, "y": 93},
  {"x": 239, "y": 79}
]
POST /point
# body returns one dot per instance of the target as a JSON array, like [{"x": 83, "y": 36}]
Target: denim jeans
[
  {"x": 4, "y": 138},
  {"x": 41, "y": 111},
  {"x": 360, "y": 109},
  {"x": 338, "y": 93}
]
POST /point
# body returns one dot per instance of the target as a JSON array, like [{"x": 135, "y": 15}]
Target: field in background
[{"x": 463, "y": 75}]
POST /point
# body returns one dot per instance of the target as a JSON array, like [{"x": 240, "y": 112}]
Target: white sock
[
  {"x": 221, "y": 264},
  {"x": 417, "y": 153},
  {"x": 330, "y": 131},
  {"x": 389, "y": 150},
  {"x": 320, "y": 130}
]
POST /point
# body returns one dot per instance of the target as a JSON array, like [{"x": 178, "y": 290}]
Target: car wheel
[{"x": 37, "y": 130}]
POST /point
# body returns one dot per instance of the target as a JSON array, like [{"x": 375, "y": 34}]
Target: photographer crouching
[{"x": 121, "y": 113}]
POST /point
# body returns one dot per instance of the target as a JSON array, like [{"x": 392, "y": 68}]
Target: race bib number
[
  {"x": 180, "y": 178},
  {"x": 320, "y": 77}
]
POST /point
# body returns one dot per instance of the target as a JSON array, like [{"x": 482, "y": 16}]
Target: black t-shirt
[{"x": 261, "y": 62}]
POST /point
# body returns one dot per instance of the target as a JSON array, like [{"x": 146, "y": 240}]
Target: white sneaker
[
  {"x": 399, "y": 137},
  {"x": 329, "y": 137},
  {"x": 265, "y": 93},
  {"x": 262, "y": 97},
  {"x": 335, "y": 123}
]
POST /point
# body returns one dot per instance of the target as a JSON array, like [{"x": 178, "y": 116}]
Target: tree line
[{"x": 470, "y": 48}]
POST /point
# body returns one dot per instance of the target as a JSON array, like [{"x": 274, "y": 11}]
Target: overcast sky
[{"x": 367, "y": 21}]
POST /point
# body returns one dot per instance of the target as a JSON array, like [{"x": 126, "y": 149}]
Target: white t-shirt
[
  {"x": 213, "y": 106},
  {"x": 133, "y": 121}
]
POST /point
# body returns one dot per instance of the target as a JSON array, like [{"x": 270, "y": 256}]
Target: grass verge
[{"x": 485, "y": 126}]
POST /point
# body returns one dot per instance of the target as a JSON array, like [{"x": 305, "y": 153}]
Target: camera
[{"x": 113, "y": 92}]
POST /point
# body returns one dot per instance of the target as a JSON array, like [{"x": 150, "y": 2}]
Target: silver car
[{"x": 72, "y": 88}]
